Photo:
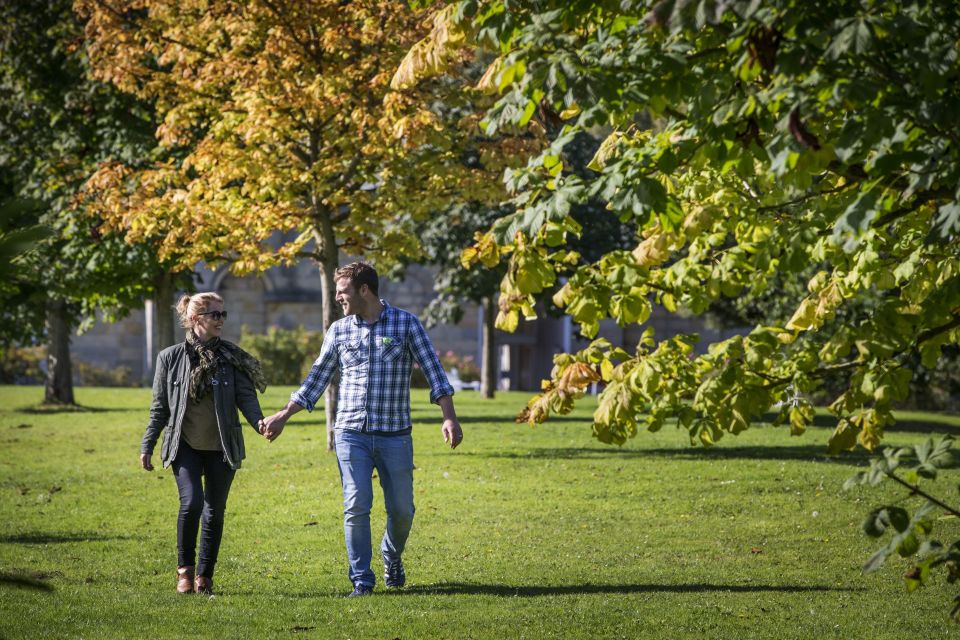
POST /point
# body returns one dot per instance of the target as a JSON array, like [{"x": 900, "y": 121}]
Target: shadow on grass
[
  {"x": 510, "y": 419},
  {"x": 56, "y": 538},
  {"x": 817, "y": 453},
  {"x": 466, "y": 588},
  {"x": 903, "y": 425},
  {"x": 41, "y": 409},
  {"x": 25, "y": 581},
  {"x": 900, "y": 426}
]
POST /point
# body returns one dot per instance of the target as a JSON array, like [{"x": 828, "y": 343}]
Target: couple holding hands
[{"x": 202, "y": 383}]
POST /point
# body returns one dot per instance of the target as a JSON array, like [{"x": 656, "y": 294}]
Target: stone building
[{"x": 287, "y": 297}]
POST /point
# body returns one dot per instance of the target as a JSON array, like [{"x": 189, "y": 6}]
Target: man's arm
[
  {"x": 309, "y": 392},
  {"x": 441, "y": 392},
  {"x": 452, "y": 433},
  {"x": 273, "y": 426}
]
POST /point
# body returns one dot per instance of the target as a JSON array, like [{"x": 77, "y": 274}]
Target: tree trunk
[
  {"x": 59, "y": 384},
  {"x": 166, "y": 332},
  {"x": 328, "y": 264},
  {"x": 488, "y": 362}
]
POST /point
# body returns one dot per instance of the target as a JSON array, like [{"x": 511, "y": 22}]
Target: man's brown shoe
[
  {"x": 204, "y": 585},
  {"x": 185, "y": 579}
]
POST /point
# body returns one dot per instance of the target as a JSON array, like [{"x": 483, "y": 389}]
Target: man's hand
[
  {"x": 272, "y": 427},
  {"x": 452, "y": 433},
  {"x": 145, "y": 461}
]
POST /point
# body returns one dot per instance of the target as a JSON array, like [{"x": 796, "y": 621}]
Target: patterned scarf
[{"x": 204, "y": 357}]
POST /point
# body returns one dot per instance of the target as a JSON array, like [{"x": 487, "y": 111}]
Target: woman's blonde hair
[{"x": 190, "y": 306}]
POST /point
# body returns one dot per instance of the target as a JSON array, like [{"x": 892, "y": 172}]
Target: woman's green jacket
[{"x": 232, "y": 390}]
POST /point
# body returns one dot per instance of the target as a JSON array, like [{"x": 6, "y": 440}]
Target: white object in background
[{"x": 453, "y": 376}]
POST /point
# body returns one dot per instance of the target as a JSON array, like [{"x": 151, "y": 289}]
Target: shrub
[
  {"x": 91, "y": 375},
  {"x": 22, "y": 365},
  {"x": 418, "y": 380},
  {"x": 286, "y": 354},
  {"x": 465, "y": 366}
]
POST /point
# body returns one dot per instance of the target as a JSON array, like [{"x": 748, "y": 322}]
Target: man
[{"x": 374, "y": 347}]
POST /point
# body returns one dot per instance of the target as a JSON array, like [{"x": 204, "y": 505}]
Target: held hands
[
  {"x": 145, "y": 462},
  {"x": 452, "y": 433},
  {"x": 272, "y": 427}
]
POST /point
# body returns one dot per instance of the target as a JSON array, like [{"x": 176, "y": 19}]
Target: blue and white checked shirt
[{"x": 375, "y": 362}]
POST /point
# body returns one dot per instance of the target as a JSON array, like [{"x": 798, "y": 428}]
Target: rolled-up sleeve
[
  {"x": 320, "y": 374},
  {"x": 426, "y": 357}
]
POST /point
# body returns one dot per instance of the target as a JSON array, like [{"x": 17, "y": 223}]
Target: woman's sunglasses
[{"x": 216, "y": 315}]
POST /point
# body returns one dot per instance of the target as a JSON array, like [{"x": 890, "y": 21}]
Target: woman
[{"x": 198, "y": 387}]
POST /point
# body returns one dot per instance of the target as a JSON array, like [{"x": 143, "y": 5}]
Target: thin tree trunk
[
  {"x": 488, "y": 363},
  {"x": 328, "y": 264},
  {"x": 58, "y": 388},
  {"x": 166, "y": 331}
]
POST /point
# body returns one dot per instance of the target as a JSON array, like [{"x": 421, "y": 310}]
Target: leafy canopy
[
  {"x": 787, "y": 137},
  {"x": 276, "y": 115},
  {"x": 55, "y": 126}
]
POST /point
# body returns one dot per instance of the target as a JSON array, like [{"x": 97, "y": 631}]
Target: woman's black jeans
[{"x": 201, "y": 502}]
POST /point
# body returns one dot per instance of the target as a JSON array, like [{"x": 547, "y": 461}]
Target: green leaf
[
  {"x": 883, "y": 518},
  {"x": 844, "y": 437},
  {"x": 858, "y": 216},
  {"x": 876, "y": 560}
]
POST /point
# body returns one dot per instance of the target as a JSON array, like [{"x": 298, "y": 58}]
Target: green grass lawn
[{"x": 520, "y": 533}]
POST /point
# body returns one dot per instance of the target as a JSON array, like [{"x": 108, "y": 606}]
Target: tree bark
[
  {"x": 58, "y": 388},
  {"x": 488, "y": 363},
  {"x": 328, "y": 263},
  {"x": 166, "y": 332}
]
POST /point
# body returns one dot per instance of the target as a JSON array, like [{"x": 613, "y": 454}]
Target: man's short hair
[{"x": 359, "y": 273}]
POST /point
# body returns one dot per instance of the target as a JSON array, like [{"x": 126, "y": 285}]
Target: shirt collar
[{"x": 357, "y": 320}]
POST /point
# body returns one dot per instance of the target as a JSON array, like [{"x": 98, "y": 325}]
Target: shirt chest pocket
[
  {"x": 391, "y": 348},
  {"x": 352, "y": 354}
]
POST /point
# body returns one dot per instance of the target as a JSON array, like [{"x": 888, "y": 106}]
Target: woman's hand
[{"x": 145, "y": 461}]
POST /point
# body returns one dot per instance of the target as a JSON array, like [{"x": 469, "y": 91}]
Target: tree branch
[{"x": 914, "y": 489}]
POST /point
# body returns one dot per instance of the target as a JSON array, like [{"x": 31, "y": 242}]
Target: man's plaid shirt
[{"x": 374, "y": 362}]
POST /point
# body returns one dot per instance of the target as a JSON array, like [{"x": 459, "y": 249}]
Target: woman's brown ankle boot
[
  {"x": 204, "y": 585},
  {"x": 185, "y": 579}
]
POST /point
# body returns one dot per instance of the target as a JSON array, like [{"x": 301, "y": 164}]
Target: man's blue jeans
[{"x": 358, "y": 454}]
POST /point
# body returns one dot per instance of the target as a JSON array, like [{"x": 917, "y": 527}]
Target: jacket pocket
[
  {"x": 241, "y": 448},
  {"x": 165, "y": 445}
]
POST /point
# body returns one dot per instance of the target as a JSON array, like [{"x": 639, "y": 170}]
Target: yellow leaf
[
  {"x": 653, "y": 250},
  {"x": 430, "y": 56},
  {"x": 606, "y": 151},
  {"x": 577, "y": 376},
  {"x": 606, "y": 370},
  {"x": 570, "y": 112},
  {"x": 488, "y": 81},
  {"x": 468, "y": 257},
  {"x": 699, "y": 219},
  {"x": 804, "y": 317},
  {"x": 507, "y": 320},
  {"x": 871, "y": 431}
]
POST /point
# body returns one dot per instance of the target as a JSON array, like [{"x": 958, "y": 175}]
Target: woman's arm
[
  {"x": 159, "y": 414},
  {"x": 247, "y": 401}
]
